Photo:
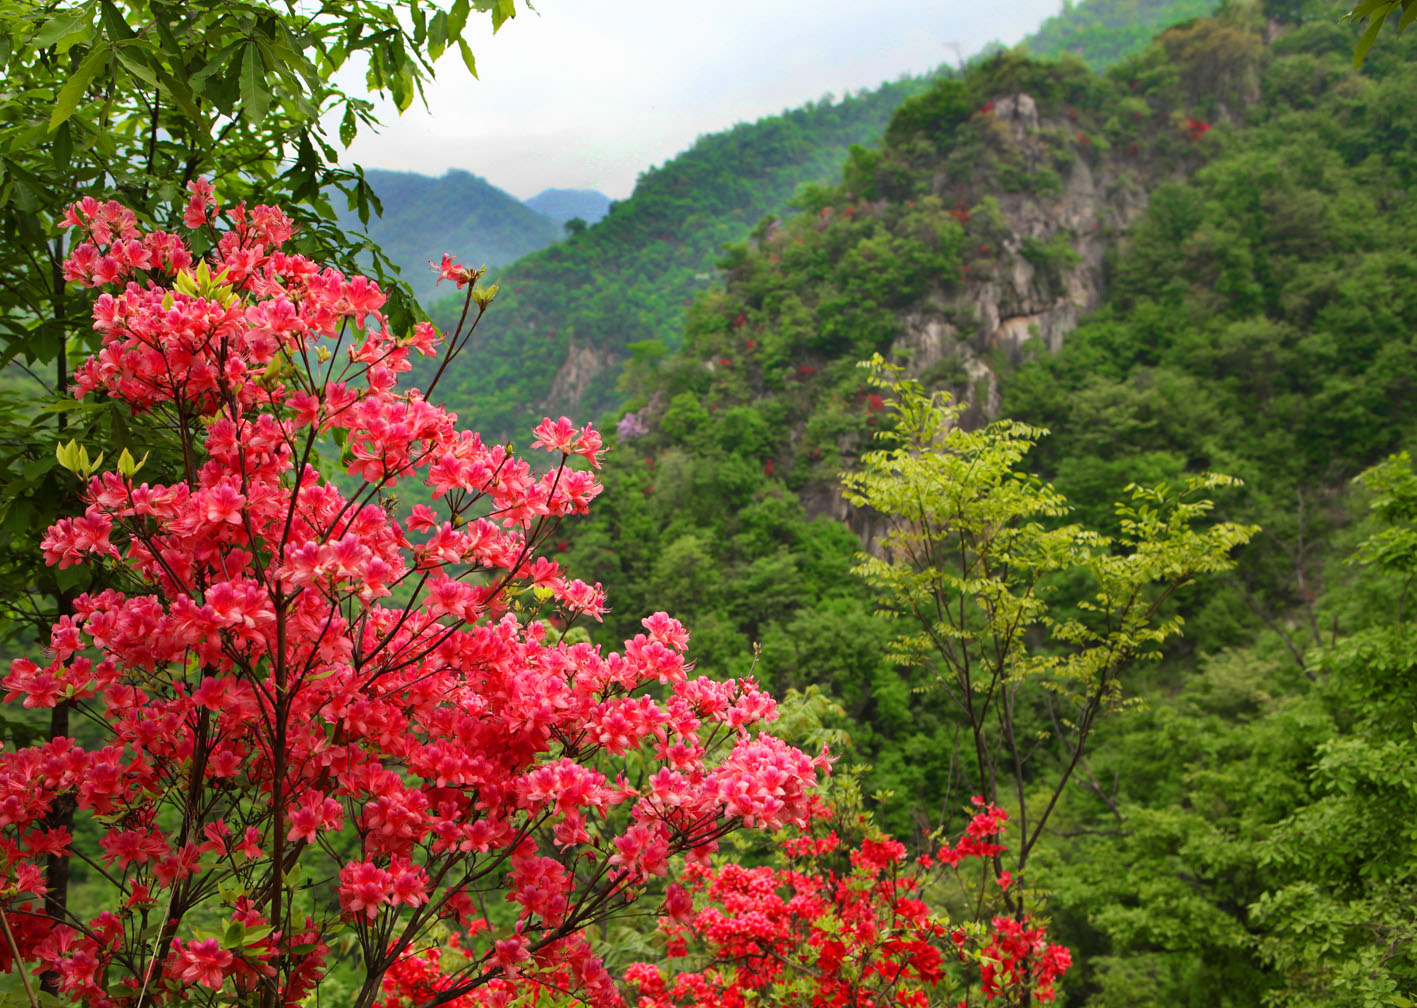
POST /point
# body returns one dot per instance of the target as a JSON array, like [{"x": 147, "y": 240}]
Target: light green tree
[{"x": 978, "y": 564}]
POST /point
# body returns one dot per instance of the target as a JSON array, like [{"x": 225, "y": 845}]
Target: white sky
[{"x": 583, "y": 95}]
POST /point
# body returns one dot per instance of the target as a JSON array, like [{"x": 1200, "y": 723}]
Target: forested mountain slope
[
  {"x": 1229, "y": 221},
  {"x": 565, "y": 315},
  {"x": 984, "y": 217},
  {"x": 1104, "y": 32}
]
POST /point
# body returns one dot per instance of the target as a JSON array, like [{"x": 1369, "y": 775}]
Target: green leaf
[
  {"x": 67, "y": 455},
  {"x": 467, "y": 59},
  {"x": 139, "y": 68},
  {"x": 72, "y": 577},
  {"x": 255, "y": 96},
  {"x": 73, "y": 90},
  {"x": 1360, "y": 51},
  {"x": 232, "y": 937},
  {"x": 1367, "y": 7},
  {"x": 182, "y": 95},
  {"x": 348, "y": 127},
  {"x": 457, "y": 19},
  {"x": 255, "y": 934},
  {"x": 114, "y": 22},
  {"x": 63, "y": 144},
  {"x": 502, "y": 12},
  {"x": 437, "y": 35},
  {"x": 63, "y": 31},
  {"x": 163, "y": 18}
]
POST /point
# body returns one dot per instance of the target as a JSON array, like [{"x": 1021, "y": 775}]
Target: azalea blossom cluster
[
  {"x": 324, "y": 713},
  {"x": 847, "y": 928}
]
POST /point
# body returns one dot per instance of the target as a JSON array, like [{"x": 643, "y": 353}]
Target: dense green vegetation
[
  {"x": 727, "y": 471},
  {"x": 1258, "y": 321}
]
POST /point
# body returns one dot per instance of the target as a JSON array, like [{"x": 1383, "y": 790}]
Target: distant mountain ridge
[
  {"x": 562, "y": 205},
  {"x": 459, "y": 213},
  {"x": 464, "y": 214}
]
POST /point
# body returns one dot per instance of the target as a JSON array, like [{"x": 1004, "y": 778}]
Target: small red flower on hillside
[{"x": 1196, "y": 128}]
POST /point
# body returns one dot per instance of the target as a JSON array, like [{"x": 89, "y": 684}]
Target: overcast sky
[{"x": 586, "y": 95}]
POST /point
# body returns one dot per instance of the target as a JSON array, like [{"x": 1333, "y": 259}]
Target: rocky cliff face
[
  {"x": 583, "y": 364},
  {"x": 1046, "y": 272},
  {"x": 1047, "y": 269}
]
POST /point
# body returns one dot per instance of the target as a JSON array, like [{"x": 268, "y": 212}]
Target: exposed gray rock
[{"x": 582, "y": 365}]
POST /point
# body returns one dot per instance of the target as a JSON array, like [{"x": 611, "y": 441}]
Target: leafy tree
[
  {"x": 972, "y": 564},
  {"x": 1263, "y": 807}
]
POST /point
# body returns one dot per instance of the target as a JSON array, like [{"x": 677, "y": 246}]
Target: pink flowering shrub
[
  {"x": 827, "y": 925},
  {"x": 322, "y": 717},
  {"x": 860, "y": 927}
]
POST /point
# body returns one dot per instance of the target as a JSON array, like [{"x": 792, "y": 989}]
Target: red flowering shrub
[
  {"x": 1196, "y": 128},
  {"x": 322, "y": 716},
  {"x": 850, "y": 928}
]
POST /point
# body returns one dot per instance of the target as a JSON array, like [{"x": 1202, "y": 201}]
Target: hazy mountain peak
[{"x": 563, "y": 204}]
